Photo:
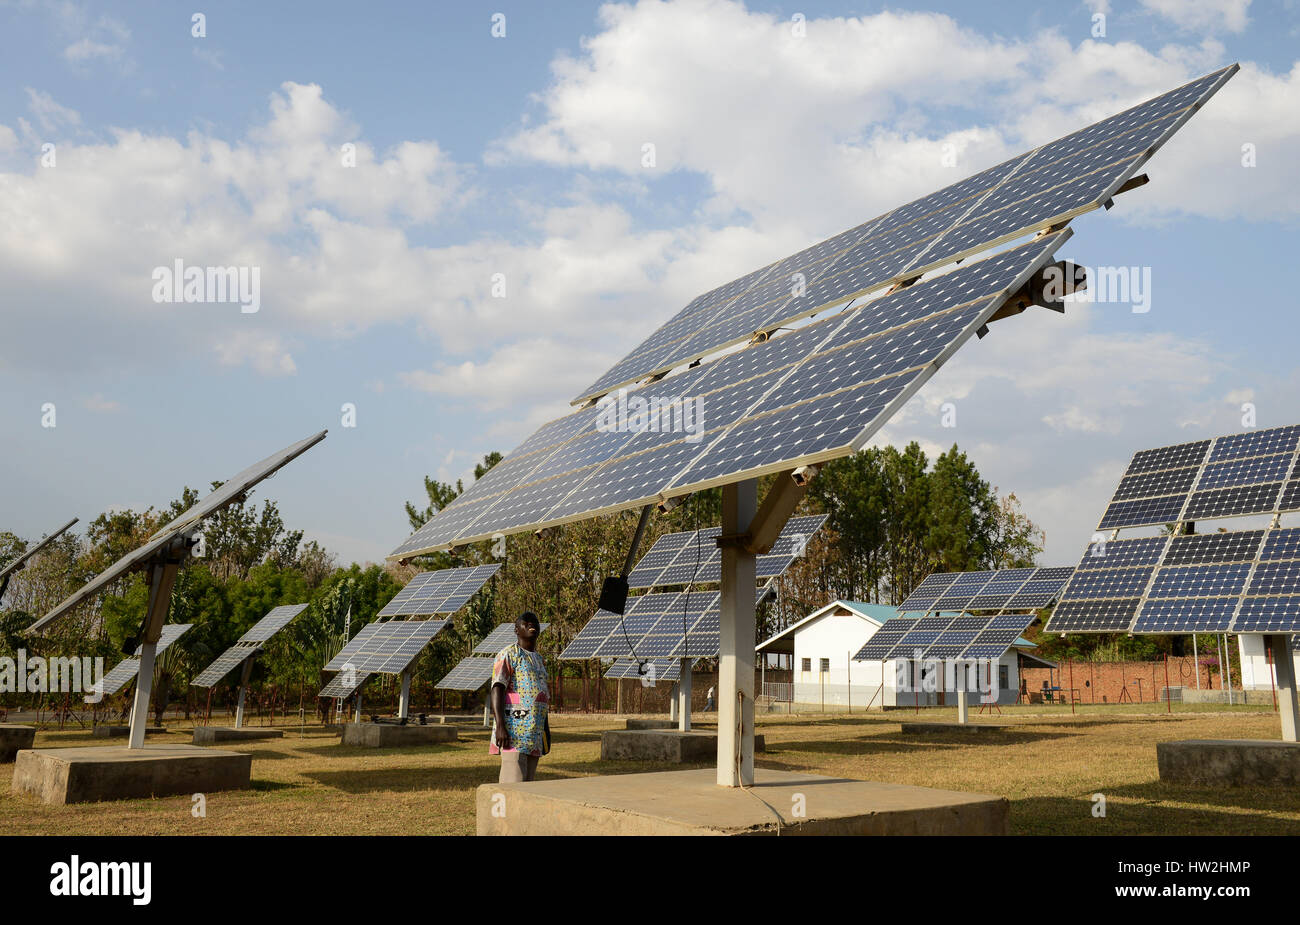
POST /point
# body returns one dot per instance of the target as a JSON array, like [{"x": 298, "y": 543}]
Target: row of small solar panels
[
  {"x": 998, "y": 589},
  {"x": 656, "y": 625},
  {"x": 248, "y": 644},
  {"x": 693, "y": 556},
  {"x": 1242, "y": 582},
  {"x": 1241, "y": 474},
  {"x": 945, "y": 636},
  {"x": 125, "y": 671}
]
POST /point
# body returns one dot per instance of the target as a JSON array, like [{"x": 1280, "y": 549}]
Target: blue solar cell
[
  {"x": 1118, "y": 553},
  {"x": 1268, "y": 615},
  {"x": 1072, "y": 616},
  {"x": 1282, "y": 544},
  {"x": 1170, "y": 457},
  {"x": 1257, "y": 443},
  {"x": 1199, "y": 581},
  {"x": 1226, "y": 502},
  {"x": 883, "y": 641},
  {"x": 1103, "y": 584},
  {"x": 1153, "y": 484},
  {"x": 1273, "y": 578},
  {"x": 1213, "y": 547},
  {"x": 1245, "y": 471},
  {"x": 1186, "y": 615},
  {"x": 1290, "y": 497},
  {"x": 1146, "y": 512}
]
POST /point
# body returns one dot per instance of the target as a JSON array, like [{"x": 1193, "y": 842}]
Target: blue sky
[{"x": 520, "y": 155}]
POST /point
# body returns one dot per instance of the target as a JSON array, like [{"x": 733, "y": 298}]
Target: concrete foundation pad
[
  {"x": 390, "y": 735},
  {"x": 112, "y": 772},
  {"x": 210, "y": 735},
  {"x": 1230, "y": 762},
  {"x": 692, "y": 803},
  {"x": 115, "y": 732},
  {"x": 14, "y": 739},
  {"x": 923, "y": 727},
  {"x": 651, "y": 724},
  {"x": 669, "y": 745}
]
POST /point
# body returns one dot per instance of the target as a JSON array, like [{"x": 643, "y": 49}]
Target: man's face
[{"x": 527, "y": 629}]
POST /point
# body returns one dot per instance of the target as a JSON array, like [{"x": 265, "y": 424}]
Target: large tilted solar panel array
[
  {"x": 248, "y": 644},
  {"x": 126, "y": 670},
  {"x": 945, "y": 636},
  {"x": 386, "y": 648},
  {"x": 1251, "y": 473},
  {"x": 1244, "y": 581},
  {"x": 656, "y": 625},
  {"x": 658, "y": 669},
  {"x": 1046, "y": 186},
  {"x": 500, "y": 637},
  {"x": 694, "y": 557},
  {"x": 814, "y": 394},
  {"x": 997, "y": 589},
  {"x": 443, "y": 591},
  {"x": 470, "y": 674},
  {"x": 344, "y": 683}
]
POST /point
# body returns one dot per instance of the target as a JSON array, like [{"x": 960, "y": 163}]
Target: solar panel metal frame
[
  {"x": 387, "y": 647},
  {"x": 449, "y": 590},
  {"x": 652, "y": 628},
  {"x": 903, "y": 215},
  {"x": 984, "y": 589},
  {"x": 230, "y": 491},
  {"x": 344, "y": 684}
]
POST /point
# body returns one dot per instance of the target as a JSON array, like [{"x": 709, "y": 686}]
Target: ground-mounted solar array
[
  {"x": 651, "y": 671},
  {"x": 1238, "y": 581},
  {"x": 470, "y": 674},
  {"x": 998, "y": 589},
  {"x": 230, "y": 490},
  {"x": 814, "y": 394},
  {"x": 693, "y": 557},
  {"x": 1240, "y": 474},
  {"x": 343, "y": 684},
  {"x": 248, "y": 644},
  {"x": 386, "y": 648},
  {"x": 443, "y": 591},
  {"x": 658, "y": 625},
  {"x": 500, "y": 637},
  {"x": 945, "y": 636},
  {"x": 126, "y": 670},
  {"x": 1039, "y": 189}
]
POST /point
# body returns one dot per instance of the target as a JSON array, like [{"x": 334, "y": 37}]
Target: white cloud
[
  {"x": 51, "y": 115},
  {"x": 85, "y": 50},
  {"x": 1203, "y": 15},
  {"x": 98, "y": 402},
  {"x": 264, "y": 352}
]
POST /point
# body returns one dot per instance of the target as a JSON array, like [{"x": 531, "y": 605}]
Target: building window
[
  {"x": 1004, "y": 680},
  {"x": 826, "y": 665},
  {"x": 807, "y": 664}
]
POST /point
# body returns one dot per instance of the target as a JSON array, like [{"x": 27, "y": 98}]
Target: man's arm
[{"x": 500, "y": 734}]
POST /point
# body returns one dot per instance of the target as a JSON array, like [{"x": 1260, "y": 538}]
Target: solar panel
[
  {"x": 679, "y": 558},
  {"x": 343, "y": 684},
  {"x": 226, "y": 662},
  {"x": 1046, "y": 186},
  {"x": 1000, "y": 589},
  {"x": 228, "y": 492},
  {"x": 814, "y": 394},
  {"x": 386, "y": 648},
  {"x": 500, "y": 637},
  {"x": 657, "y": 625},
  {"x": 126, "y": 670},
  {"x": 443, "y": 591},
  {"x": 469, "y": 674},
  {"x": 652, "y": 671},
  {"x": 277, "y": 619},
  {"x": 883, "y": 641},
  {"x": 998, "y": 637},
  {"x": 1229, "y": 476},
  {"x": 17, "y": 562}
]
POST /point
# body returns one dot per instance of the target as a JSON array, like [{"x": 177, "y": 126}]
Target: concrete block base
[
  {"x": 389, "y": 735},
  {"x": 692, "y": 803},
  {"x": 112, "y": 772},
  {"x": 651, "y": 724},
  {"x": 118, "y": 732},
  {"x": 1230, "y": 762},
  {"x": 14, "y": 739},
  {"x": 210, "y": 735},
  {"x": 973, "y": 728},
  {"x": 669, "y": 745}
]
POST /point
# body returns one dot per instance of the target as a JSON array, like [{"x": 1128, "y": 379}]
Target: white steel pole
[{"x": 736, "y": 664}]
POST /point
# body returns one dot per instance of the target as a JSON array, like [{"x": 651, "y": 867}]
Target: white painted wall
[
  {"x": 836, "y": 638},
  {"x": 1256, "y": 674}
]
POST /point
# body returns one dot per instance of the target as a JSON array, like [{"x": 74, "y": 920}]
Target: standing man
[
  {"x": 520, "y": 700},
  {"x": 710, "y": 706}
]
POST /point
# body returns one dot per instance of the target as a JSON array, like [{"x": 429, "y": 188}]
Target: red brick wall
[{"x": 1103, "y": 682}]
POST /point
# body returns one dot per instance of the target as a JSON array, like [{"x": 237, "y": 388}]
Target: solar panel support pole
[
  {"x": 404, "y": 698},
  {"x": 963, "y": 711},
  {"x": 684, "y": 697},
  {"x": 162, "y": 578},
  {"x": 244, "y": 675},
  {"x": 736, "y": 662},
  {"x": 1284, "y": 665},
  {"x": 673, "y": 702}
]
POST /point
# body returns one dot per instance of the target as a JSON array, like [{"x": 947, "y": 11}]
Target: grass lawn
[{"x": 1048, "y": 767}]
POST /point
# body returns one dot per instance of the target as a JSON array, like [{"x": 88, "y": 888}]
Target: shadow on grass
[
  {"x": 1073, "y": 816},
  {"x": 408, "y": 779},
  {"x": 273, "y": 786},
  {"x": 1263, "y": 799}
]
